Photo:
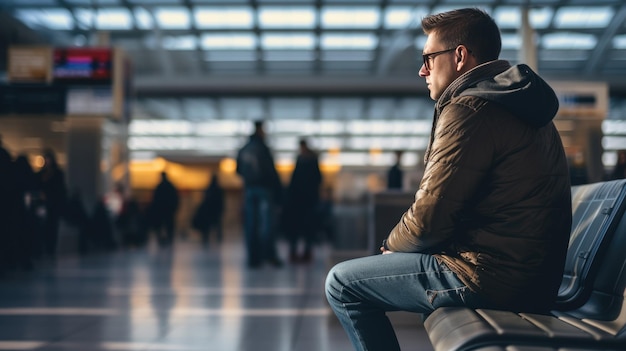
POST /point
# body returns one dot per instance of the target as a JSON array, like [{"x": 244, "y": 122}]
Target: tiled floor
[{"x": 183, "y": 298}]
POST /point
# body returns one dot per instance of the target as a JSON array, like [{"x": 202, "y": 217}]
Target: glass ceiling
[
  {"x": 320, "y": 37},
  {"x": 174, "y": 43},
  {"x": 249, "y": 22}
]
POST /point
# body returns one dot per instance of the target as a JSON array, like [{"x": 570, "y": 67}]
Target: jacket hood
[{"x": 520, "y": 90}]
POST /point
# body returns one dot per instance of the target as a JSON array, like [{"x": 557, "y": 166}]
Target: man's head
[
  {"x": 398, "y": 154},
  {"x": 302, "y": 143},
  {"x": 50, "y": 160},
  {"x": 258, "y": 129},
  {"x": 458, "y": 41}
]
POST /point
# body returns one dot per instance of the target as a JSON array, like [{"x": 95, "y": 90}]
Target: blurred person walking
[
  {"x": 262, "y": 191},
  {"x": 8, "y": 204},
  {"x": 163, "y": 209},
  {"x": 395, "y": 175},
  {"x": 28, "y": 225},
  {"x": 54, "y": 192},
  {"x": 208, "y": 215},
  {"x": 300, "y": 210}
]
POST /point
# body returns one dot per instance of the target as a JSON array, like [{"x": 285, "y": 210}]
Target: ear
[{"x": 464, "y": 60}]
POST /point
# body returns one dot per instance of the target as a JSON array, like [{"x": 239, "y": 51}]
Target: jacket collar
[{"x": 470, "y": 78}]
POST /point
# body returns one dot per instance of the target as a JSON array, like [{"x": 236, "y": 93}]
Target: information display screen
[
  {"x": 85, "y": 65},
  {"x": 29, "y": 64}
]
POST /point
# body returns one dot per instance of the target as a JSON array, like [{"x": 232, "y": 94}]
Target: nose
[{"x": 423, "y": 72}]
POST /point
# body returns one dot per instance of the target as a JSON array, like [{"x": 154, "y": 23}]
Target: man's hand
[{"x": 384, "y": 249}]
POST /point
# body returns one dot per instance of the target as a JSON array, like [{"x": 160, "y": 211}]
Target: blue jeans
[
  {"x": 361, "y": 290},
  {"x": 259, "y": 225}
]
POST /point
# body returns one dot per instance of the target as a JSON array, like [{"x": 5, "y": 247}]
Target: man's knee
[{"x": 333, "y": 285}]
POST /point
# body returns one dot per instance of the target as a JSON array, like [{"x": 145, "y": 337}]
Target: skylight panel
[
  {"x": 287, "y": 17},
  {"x": 113, "y": 18},
  {"x": 511, "y": 17},
  {"x": 583, "y": 17},
  {"x": 507, "y": 17},
  {"x": 37, "y": 2},
  {"x": 420, "y": 41},
  {"x": 105, "y": 2},
  {"x": 347, "y": 56},
  {"x": 182, "y": 42},
  {"x": 78, "y": 2},
  {"x": 84, "y": 18},
  {"x": 231, "y": 56},
  {"x": 228, "y": 41},
  {"x": 402, "y": 16},
  {"x": 300, "y": 55},
  {"x": 540, "y": 18},
  {"x": 619, "y": 42},
  {"x": 285, "y": 108},
  {"x": 151, "y": 2},
  {"x": 348, "y": 41},
  {"x": 172, "y": 17},
  {"x": 568, "y": 41},
  {"x": 511, "y": 42},
  {"x": 60, "y": 19},
  {"x": 350, "y": 17},
  {"x": 143, "y": 18},
  {"x": 223, "y": 17},
  {"x": 288, "y": 41}
]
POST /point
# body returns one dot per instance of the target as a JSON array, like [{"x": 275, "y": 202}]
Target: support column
[
  {"x": 528, "y": 50},
  {"x": 84, "y": 151}
]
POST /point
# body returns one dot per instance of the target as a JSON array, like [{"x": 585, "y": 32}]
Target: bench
[{"x": 589, "y": 313}]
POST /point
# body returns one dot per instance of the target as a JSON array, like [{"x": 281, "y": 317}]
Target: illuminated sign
[
  {"x": 29, "y": 64},
  {"x": 89, "y": 65}
]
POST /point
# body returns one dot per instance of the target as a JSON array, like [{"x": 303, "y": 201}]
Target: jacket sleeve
[{"x": 457, "y": 161}]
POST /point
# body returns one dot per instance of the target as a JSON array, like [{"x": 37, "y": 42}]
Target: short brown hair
[{"x": 471, "y": 27}]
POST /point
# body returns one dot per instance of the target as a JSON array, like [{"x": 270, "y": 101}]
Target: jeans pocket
[{"x": 448, "y": 297}]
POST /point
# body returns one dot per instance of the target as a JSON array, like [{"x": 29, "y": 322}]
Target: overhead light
[
  {"x": 288, "y": 41},
  {"x": 350, "y": 17},
  {"x": 55, "y": 18},
  {"x": 585, "y": 17},
  {"x": 223, "y": 17},
  {"x": 566, "y": 40},
  {"x": 228, "y": 41},
  {"x": 397, "y": 17},
  {"x": 287, "y": 17},
  {"x": 113, "y": 18},
  {"x": 172, "y": 17},
  {"x": 348, "y": 41}
]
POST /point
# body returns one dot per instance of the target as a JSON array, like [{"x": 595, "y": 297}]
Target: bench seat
[{"x": 589, "y": 314}]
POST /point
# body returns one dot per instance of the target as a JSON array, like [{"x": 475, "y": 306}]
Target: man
[
  {"x": 490, "y": 223},
  {"x": 54, "y": 193},
  {"x": 395, "y": 174},
  {"x": 255, "y": 165},
  {"x": 163, "y": 209},
  {"x": 303, "y": 196}
]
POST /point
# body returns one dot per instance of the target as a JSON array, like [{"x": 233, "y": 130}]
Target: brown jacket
[{"x": 494, "y": 203}]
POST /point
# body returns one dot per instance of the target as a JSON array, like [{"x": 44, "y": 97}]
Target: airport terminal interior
[{"x": 122, "y": 91}]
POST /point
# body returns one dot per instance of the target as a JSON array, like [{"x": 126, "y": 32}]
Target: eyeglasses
[{"x": 428, "y": 57}]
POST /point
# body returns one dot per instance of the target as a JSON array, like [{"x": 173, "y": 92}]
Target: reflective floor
[{"x": 183, "y": 298}]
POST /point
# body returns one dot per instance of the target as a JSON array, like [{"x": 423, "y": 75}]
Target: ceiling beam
[
  {"x": 263, "y": 85},
  {"x": 598, "y": 55}
]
